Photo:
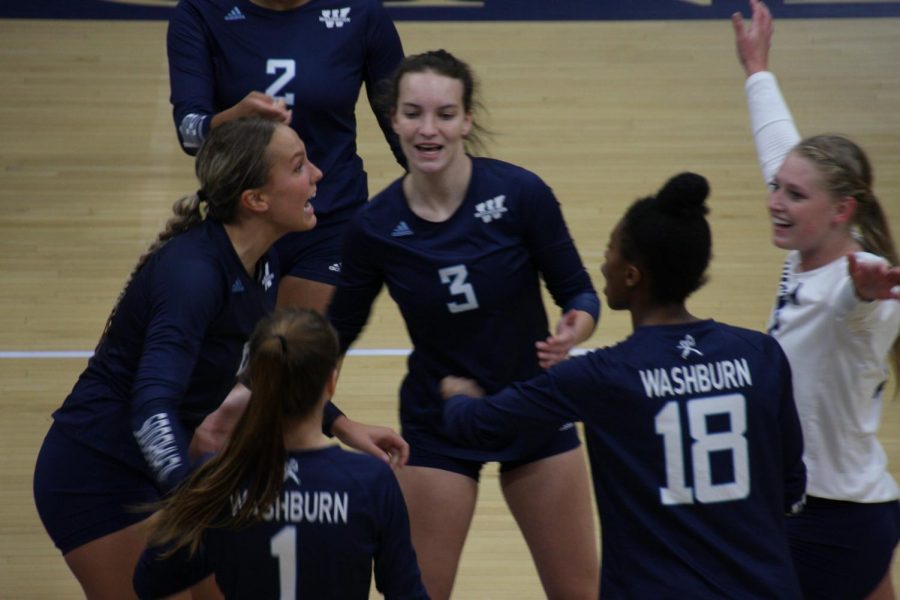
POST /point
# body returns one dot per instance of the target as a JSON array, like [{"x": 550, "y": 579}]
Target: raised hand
[{"x": 753, "y": 40}]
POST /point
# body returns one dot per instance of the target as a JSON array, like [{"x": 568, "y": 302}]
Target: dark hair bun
[{"x": 684, "y": 195}]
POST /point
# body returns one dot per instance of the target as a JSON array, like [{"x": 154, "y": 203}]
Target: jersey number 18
[{"x": 704, "y": 444}]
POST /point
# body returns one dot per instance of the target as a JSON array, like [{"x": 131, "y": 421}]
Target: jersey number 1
[
  {"x": 704, "y": 444},
  {"x": 284, "y": 547}
]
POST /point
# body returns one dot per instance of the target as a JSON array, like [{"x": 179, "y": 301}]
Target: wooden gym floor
[{"x": 604, "y": 111}]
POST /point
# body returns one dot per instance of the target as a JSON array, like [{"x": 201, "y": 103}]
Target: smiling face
[
  {"x": 291, "y": 183},
  {"x": 431, "y": 121},
  {"x": 805, "y": 216}
]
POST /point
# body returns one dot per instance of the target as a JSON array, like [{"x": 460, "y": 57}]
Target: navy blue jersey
[
  {"x": 338, "y": 512},
  {"x": 469, "y": 288},
  {"x": 315, "y": 58},
  {"x": 695, "y": 447},
  {"x": 171, "y": 353}
]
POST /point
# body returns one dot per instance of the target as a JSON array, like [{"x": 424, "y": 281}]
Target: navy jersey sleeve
[
  {"x": 384, "y": 52},
  {"x": 158, "y": 577},
  {"x": 361, "y": 280},
  {"x": 184, "y": 299},
  {"x": 397, "y": 574},
  {"x": 494, "y": 421},
  {"x": 555, "y": 254},
  {"x": 792, "y": 439},
  {"x": 191, "y": 77}
]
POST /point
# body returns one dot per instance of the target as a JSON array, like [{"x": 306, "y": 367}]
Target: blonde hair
[
  {"x": 232, "y": 159},
  {"x": 846, "y": 171}
]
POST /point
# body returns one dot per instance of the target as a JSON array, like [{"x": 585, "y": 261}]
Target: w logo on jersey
[
  {"x": 335, "y": 17},
  {"x": 490, "y": 210}
]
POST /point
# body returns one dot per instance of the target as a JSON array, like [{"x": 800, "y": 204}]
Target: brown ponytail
[{"x": 293, "y": 353}]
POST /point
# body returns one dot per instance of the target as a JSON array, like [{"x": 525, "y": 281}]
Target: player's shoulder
[
  {"x": 757, "y": 340},
  {"x": 206, "y": 241},
  {"x": 385, "y": 204},
  {"x": 366, "y": 5},
  {"x": 205, "y": 7},
  {"x": 362, "y": 468},
  {"x": 199, "y": 254},
  {"x": 505, "y": 171},
  {"x": 518, "y": 187}
]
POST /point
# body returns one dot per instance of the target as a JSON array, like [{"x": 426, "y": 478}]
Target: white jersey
[
  {"x": 837, "y": 347},
  {"x": 836, "y": 344}
]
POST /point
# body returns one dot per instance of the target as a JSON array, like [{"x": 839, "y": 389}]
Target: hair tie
[
  {"x": 283, "y": 343},
  {"x": 203, "y": 204}
]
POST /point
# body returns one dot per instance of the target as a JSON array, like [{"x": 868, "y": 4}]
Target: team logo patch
[
  {"x": 292, "y": 471},
  {"x": 335, "y": 17},
  {"x": 491, "y": 210},
  {"x": 688, "y": 345},
  {"x": 401, "y": 230},
  {"x": 235, "y": 14},
  {"x": 266, "y": 277}
]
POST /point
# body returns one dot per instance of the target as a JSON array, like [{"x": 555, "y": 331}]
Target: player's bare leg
[{"x": 551, "y": 501}]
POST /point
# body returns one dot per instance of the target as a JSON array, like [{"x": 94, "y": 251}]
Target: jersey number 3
[
  {"x": 703, "y": 446},
  {"x": 456, "y": 277}
]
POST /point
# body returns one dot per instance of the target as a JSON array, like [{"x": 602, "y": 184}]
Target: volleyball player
[
  {"x": 171, "y": 350},
  {"x": 837, "y": 317},
  {"x": 300, "y": 63},
  {"x": 281, "y": 512},
  {"x": 692, "y": 432}
]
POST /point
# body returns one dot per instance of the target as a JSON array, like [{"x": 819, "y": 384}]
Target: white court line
[{"x": 87, "y": 353}]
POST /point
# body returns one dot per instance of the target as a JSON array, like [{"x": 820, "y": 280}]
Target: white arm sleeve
[{"x": 774, "y": 131}]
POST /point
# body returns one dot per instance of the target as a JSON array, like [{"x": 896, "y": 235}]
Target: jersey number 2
[
  {"x": 705, "y": 443},
  {"x": 288, "y": 69},
  {"x": 284, "y": 547}
]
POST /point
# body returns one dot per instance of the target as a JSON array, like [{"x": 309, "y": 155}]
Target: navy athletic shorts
[
  {"x": 316, "y": 254},
  {"x": 563, "y": 441},
  {"x": 842, "y": 550},
  {"x": 82, "y": 494}
]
